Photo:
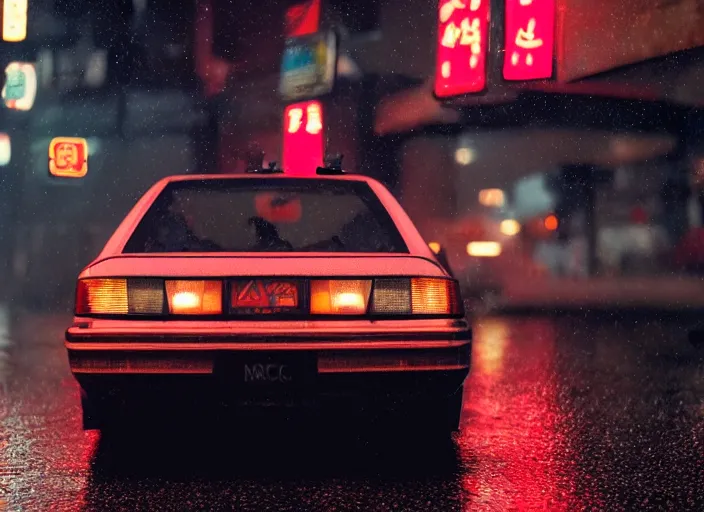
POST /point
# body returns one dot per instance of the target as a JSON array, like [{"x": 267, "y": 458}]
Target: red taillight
[
  {"x": 402, "y": 296},
  {"x": 102, "y": 297},
  {"x": 416, "y": 296},
  {"x": 339, "y": 296},
  {"x": 190, "y": 297}
]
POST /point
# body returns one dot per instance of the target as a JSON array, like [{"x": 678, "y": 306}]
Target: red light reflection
[
  {"x": 303, "y": 148},
  {"x": 530, "y": 35},
  {"x": 512, "y": 420},
  {"x": 463, "y": 27}
]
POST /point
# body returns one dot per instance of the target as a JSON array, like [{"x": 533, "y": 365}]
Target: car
[{"x": 269, "y": 289}]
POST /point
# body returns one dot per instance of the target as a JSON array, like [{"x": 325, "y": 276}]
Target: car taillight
[
  {"x": 399, "y": 296},
  {"x": 144, "y": 296},
  {"x": 416, "y": 296},
  {"x": 194, "y": 297},
  {"x": 102, "y": 296},
  {"x": 339, "y": 296}
]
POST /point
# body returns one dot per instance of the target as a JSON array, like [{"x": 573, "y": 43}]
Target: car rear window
[{"x": 266, "y": 215}]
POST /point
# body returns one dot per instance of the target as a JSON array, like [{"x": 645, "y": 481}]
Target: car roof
[
  {"x": 265, "y": 175},
  {"x": 414, "y": 242}
]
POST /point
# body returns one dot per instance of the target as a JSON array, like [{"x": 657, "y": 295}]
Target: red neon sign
[
  {"x": 530, "y": 37},
  {"x": 303, "y": 138},
  {"x": 463, "y": 27},
  {"x": 303, "y": 18}
]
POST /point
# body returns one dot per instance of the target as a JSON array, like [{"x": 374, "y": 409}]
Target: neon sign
[
  {"x": 14, "y": 20},
  {"x": 530, "y": 36},
  {"x": 68, "y": 157},
  {"x": 303, "y": 18},
  {"x": 303, "y": 138},
  {"x": 463, "y": 27},
  {"x": 20, "y": 88}
]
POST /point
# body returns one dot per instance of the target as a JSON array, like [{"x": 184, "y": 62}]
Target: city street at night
[{"x": 560, "y": 413}]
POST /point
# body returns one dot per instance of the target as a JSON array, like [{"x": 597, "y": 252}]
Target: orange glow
[
  {"x": 303, "y": 149},
  {"x": 435, "y": 247},
  {"x": 530, "y": 32},
  {"x": 484, "y": 249},
  {"x": 194, "y": 297},
  {"x": 339, "y": 297},
  {"x": 14, "y": 20},
  {"x": 102, "y": 296},
  {"x": 493, "y": 197},
  {"x": 551, "y": 223},
  {"x": 431, "y": 296},
  {"x": 510, "y": 227},
  {"x": 461, "y": 51},
  {"x": 68, "y": 157}
]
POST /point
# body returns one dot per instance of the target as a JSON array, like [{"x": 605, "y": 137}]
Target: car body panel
[{"x": 434, "y": 353}]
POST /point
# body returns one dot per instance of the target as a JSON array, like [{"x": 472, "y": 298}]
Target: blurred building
[
  {"x": 622, "y": 124},
  {"x": 608, "y": 148},
  {"x": 119, "y": 74}
]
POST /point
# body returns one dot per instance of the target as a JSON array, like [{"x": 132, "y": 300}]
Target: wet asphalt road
[{"x": 559, "y": 414}]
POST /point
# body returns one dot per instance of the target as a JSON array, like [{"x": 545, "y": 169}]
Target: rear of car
[{"x": 261, "y": 290}]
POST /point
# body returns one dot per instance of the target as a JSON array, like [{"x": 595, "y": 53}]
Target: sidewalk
[{"x": 667, "y": 294}]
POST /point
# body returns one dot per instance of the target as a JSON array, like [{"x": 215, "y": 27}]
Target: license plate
[
  {"x": 268, "y": 371},
  {"x": 265, "y": 296}
]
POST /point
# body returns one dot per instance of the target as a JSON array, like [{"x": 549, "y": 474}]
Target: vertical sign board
[
  {"x": 463, "y": 37},
  {"x": 303, "y": 19},
  {"x": 20, "y": 88},
  {"x": 308, "y": 66},
  {"x": 303, "y": 138},
  {"x": 14, "y": 20},
  {"x": 530, "y": 39},
  {"x": 68, "y": 157}
]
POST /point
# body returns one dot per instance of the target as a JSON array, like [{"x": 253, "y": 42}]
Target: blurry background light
[
  {"x": 435, "y": 247},
  {"x": 484, "y": 249},
  {"x": 492, "y": 197},
  {"x": 464, "y": 156},
  {"x": 20, "y": 88},
  {"x": 5, "y": 149},
  {"x": 510, "y": 227},
  {"x": 14, "y": 20},
  {"x": 551, "y": 223}
]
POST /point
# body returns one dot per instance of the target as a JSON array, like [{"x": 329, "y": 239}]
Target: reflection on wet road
[{"x": 559, "y": 414}]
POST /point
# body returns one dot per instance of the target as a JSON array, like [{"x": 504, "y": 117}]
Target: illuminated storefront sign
[
  {"x": 303, "y": 18},
  {"x": 308, "y": 66},
  {"x": 68, "y": 157},
  {"x": 303, "y": 138},
  {"x": 5, "y": 149},
  {"x": 462, "y": 46},
  {"x": 20, "y": 88},
  {"x": 14, "y": 20},
  {"x": 530, "y": 34}
]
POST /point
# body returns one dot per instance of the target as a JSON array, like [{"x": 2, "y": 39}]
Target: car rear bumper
[{"x": 391, "y": 364}]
